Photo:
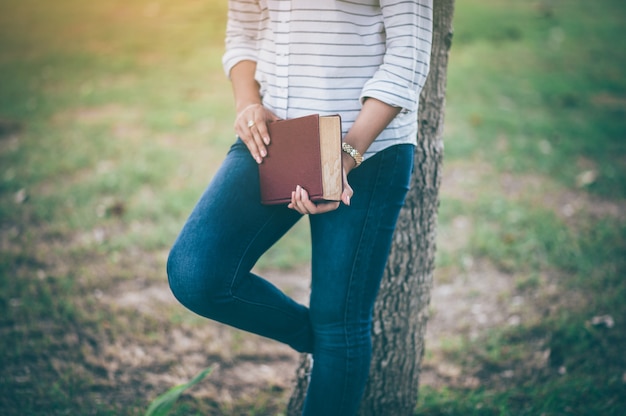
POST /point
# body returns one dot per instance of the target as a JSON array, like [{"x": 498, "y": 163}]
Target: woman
[{"x": 366, "y": 60}]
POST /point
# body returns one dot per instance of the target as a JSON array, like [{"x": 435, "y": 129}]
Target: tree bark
[{"x": 401, "y": 310}]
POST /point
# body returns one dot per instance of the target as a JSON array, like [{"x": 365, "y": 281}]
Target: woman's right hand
[{"x": 251, "y": 127}]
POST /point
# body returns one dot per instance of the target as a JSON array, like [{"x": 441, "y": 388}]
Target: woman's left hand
[{"x": 300, "y": 200}]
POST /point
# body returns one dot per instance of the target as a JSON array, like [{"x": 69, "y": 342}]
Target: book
[{"x": 303, "y": 151}]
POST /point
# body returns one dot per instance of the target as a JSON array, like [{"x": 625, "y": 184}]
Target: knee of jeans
[{"x": 191, "y": 281}]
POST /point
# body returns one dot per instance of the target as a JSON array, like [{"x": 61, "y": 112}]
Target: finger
[
  {"x": 345, "y": 198},
  {"x": 263, "y": 130},
  {"x": 291, "y": 205},
  {"x": 348, "y": 192},
  {"x": 309, "y": 205},
  {"x": 247, "y": 135},
  {"x": 301, "y": 203},
  {"x": 258, "y": 138},
  {"x": 346, "y": 195},
  {"x": 257, "y": 117},
  {"x": 251, "y": 125},
  {"x": 263, "y": 133},
  {"x": 297, "y": 202},
  {"x": 300, "y": 200},
  {"x": 313, "y": 208},
  {"x": 250, "y": 143},
  {"x": 253, "y": 120}
]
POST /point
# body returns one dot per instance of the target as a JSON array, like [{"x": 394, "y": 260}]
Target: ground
[{"x": 466, "y": 302}]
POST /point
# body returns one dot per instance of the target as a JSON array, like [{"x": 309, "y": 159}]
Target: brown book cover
[{"x": 303, "y": 151}]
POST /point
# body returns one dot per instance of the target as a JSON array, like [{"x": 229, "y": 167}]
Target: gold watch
[{"x": 354, "y": 154}]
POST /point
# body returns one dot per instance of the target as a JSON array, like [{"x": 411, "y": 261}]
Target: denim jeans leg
[
  {"x": 350, "y": 249},
  {"x": 209, "y": 265}
]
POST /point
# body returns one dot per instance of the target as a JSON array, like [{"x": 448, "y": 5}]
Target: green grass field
[{"x": 114, "y": 115}]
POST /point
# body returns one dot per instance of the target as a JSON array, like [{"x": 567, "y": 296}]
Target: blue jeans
[{"x": 209, "y": 268}]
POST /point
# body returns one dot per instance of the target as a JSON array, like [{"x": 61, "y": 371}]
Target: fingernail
[
  {"x": 263, "y": 153},
  {"x": 259, "y": 160},
  {"x": 266, "y": 140}
]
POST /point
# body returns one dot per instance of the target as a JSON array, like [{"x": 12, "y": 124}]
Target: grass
[
  {"x": 546, "y": 93},
  {"x": 544, "y": 106},
  {"x": 113, "y": 116}
]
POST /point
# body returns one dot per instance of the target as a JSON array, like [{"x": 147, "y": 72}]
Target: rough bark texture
[
  {"x": 296, "y": 401},
  {"x": 401, "y": 310}
]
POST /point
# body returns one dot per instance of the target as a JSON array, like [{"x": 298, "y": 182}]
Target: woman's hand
[
  {"x": 251, "y": 127},
  {"x": 300, "y": 199}
]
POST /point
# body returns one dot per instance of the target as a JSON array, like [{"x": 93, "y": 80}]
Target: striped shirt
[{"x": 327, "y": 56}]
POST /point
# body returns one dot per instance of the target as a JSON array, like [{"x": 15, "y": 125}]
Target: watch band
[{"x": 354, "y": 154}]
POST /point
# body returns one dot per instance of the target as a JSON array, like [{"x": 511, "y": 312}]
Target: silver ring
[{"x": 251, "y": 123}]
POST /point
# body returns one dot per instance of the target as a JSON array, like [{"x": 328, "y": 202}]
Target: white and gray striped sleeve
[
  {"x": 242, "y": 32},
  {"x": 400, "y": 78}
]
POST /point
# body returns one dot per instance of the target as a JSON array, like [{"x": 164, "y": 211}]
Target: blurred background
[{"x": 113, "y": 117}]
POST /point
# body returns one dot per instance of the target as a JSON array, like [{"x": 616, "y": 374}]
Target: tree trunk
[{"x": 401, "y": 310}]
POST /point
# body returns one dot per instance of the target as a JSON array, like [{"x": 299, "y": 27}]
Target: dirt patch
[
  {"x": 244, "y": 365},
  {"x": 465, "y": 180}
]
